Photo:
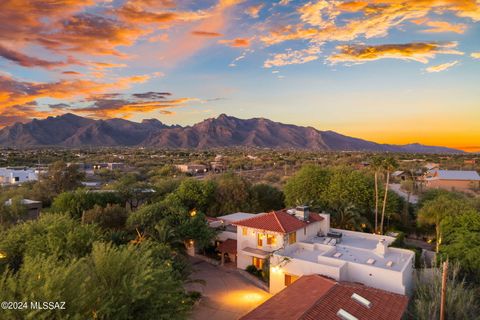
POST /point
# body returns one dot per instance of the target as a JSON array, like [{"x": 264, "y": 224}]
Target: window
[
  {"x": 257, "y": 262},
  {"x": 271, "y": 240},
  {"x": 244, "y": 231},
  {"x": 292, "y": 237},
  {"x": 290, "y": 278},
  {"x": 259, "y": 240}
]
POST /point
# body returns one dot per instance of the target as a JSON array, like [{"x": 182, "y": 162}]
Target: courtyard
[{"x": 225, "y": 295}]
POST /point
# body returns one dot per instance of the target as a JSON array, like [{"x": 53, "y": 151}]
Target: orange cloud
[
  {"x": 441, "y": 26},
  {"x": 419, "y": 51},
  {"x": 318, "y": 19},
  {"x": 23, "y": 113},
  {"x": 116, "y": 105},
  {"x": 441, "y": 67},
  {"x": 141, "y": 12},
  {"x": 254, "y": 11},
  {"x": 13, "y": 92},
  {"x": 352, "y": 6},
  {"x": 28, "y": 61},
  {"x": 237, "y": 42},
  {"x": 206, "y": 33},
  {"x": 72, "y": 73}
]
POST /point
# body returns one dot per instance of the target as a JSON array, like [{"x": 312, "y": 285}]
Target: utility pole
[{"x": 444, "y": 290}]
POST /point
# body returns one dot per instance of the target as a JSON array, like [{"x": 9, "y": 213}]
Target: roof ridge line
[{"x": 276, "y": 218}]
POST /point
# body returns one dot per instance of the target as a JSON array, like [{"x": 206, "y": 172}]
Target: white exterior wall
[
  {"x": 380, "y": 278},
  {"x": 332, "y": 268},
  {"x": 250, "y": 240},
  {"x": 9, "y": 175}
]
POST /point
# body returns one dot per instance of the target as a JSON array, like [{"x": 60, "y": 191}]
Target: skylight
[
  {"x": 342, "y": 314},
  {"x": 361, "y": 300}
]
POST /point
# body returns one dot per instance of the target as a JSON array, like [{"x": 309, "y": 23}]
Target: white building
[
  {"x": 298, "y": 242},
  {"x": 17, "y": 175}
]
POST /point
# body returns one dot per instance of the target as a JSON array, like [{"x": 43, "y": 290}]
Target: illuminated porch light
[
  {"x": 3, "y": 255},
  {"x": 193, "y": 213}
]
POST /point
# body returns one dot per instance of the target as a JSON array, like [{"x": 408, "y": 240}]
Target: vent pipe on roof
[
  {"x": 381, "y": 248},
  {"x": 302, "y": 212}
]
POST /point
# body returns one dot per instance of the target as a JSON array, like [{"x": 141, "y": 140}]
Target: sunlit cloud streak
[
  {"x": 441, "y": 67},
  {"x": 418, "y": 51}
]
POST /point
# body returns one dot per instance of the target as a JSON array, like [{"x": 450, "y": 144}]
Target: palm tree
[
  {"x": 389, "y": 164},
  {"x": 376, "y": 165},
  {"x": 164, "y": 233},
  {"x": 349, "y": 218}
]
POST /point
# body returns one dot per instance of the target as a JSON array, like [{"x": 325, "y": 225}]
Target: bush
[
  {"x": 111, "y": 217},
  {"x": 251, "y": 269}
]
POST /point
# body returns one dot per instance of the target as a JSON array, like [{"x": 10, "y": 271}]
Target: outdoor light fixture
[
  {"x": 3, "y": 255},
  {"x": 193, "y": 213},
  {"x": 276, "y": 269}
]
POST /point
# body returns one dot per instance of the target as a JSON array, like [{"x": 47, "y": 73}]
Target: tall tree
[
  {"x": 435, "y": 210},
  {"x": 389, "y": 164},
  {"x": 61, "y": 177},
  {"x": 308, "y": 186},
  {"x": 377, "y": 166},
  {"x": 461, "y": 241},
  {"x": 266, "y": 198}
]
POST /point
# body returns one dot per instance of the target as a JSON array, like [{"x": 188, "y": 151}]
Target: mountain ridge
[{"x": 70, "y": 130}]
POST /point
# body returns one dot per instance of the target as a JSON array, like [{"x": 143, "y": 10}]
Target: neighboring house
[
  {"x": 115, "y": 166},
  {"x": 298, "y": 242},
  {"x": 227, "y": 237},
  {"x": 315, "y": 297},
  {"x": 455, "y": 180},
  {"x": 192, "y": 168},
  {"x": 33, "y": 208},
  {"x": 17, "y": 175},
  {"x": 109, "y": 166},
  {"x": 399, "y": 176}
]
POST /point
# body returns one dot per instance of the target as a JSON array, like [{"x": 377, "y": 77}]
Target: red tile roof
[
  {"x": 228, "y": 246},
  {"x": 315, "y": 297},
  {"x": 277, "y": 221},
  {"x": 293, "y": 301}
]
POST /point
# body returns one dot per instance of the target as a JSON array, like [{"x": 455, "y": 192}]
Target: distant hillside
[{"x": 70, "y": 130}]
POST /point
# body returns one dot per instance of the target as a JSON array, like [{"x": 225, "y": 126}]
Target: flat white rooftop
[
  {"x": 355, "y": 247},
  {"x": 234, "y": 217}
]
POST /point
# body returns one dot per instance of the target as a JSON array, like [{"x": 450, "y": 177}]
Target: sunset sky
[{"x": 390, "y": 71}]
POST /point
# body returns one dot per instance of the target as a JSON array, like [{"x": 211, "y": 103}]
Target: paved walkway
[
  {"x": 226, "y": 296},
  {"x": 396, "y": 187}
]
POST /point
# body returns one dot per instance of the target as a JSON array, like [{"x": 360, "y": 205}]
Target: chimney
[
  {"x": 302, "y": 212},
  {"x": 381, "y": 248}
]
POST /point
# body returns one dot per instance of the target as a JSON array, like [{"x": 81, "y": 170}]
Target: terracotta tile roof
[
  {"x": 315, "y": 297},
  {"x": 277, "y": 221},
  {"x": 228, "y": 246},
  {"x": 293, "y": 301}
]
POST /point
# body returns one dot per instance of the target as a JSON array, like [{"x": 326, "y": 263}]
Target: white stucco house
[
  {"x": 17, "y": 175},
  {"x": 298, "y": 242}
]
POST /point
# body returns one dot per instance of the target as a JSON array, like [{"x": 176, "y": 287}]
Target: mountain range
[{"x": 70, "y": 130}]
